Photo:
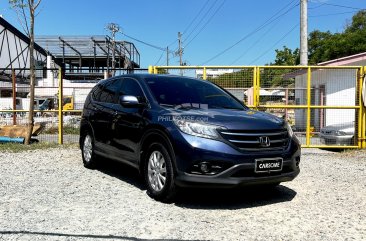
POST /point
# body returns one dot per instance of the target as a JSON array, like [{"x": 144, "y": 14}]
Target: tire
[
  {"x": 87, "y": 151},
  {"x": 159, "y": 173}
]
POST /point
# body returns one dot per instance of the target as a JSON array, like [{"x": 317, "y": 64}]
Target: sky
[{"x": 214, "y": 32}]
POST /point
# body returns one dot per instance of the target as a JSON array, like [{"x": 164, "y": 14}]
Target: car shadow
[
  {"x": 195, "y": 198},
  {"x": 21, "y": 234},
  {"x": 121, "y": 171},
  {"x": 240, "y": 198}
]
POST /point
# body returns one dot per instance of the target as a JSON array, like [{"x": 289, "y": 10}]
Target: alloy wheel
[
  {"x": 157, "y": 171},
  {"x": 87, "y": 148}
]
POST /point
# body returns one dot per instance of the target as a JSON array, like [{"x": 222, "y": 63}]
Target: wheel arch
[
  {"x": 85, "y": 126},
  {"x": 151, "y": 136}
]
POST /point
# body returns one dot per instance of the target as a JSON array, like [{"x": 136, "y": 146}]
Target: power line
[
  {"x": 148, "y": 44},
  {"x": 157, "y": 62},
  {"x": 255, "y": 43},
  {"x": 331, "y": 14},
  {"x": 207, "y": 22},
  {"x": 342, "y": 6},
  {"x": 274, "y": 45},
  {"x": 321, "y": 5},
  {"x": 204, "y": 16},
  {"x": 194, "y": 19},
  {"x": 268, "y": 21}
]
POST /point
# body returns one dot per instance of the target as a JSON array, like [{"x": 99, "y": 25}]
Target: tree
[
  {"x": 324, "y": 46},
  {"x": 25, "y": 10},
  {"x": 358, "y": 22},
  {"x": 277, "y": 77},
  {"x": 286, "y": 56}
]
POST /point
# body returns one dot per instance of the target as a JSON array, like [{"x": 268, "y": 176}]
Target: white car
[{"x": 339, "y": 134}]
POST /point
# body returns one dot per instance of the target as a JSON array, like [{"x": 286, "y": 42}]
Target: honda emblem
[{"x": 264, "y": 141}]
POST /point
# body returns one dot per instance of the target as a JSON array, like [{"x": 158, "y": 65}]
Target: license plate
[{"x": 268, "y": 165}]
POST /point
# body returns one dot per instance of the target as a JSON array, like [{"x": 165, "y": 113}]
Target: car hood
[
  {"x": 348, "y": 127},
  {"x": 230, "y": 119}
]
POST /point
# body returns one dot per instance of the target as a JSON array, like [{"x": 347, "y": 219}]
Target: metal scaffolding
[
  {"x": 14, "y": 53},
  {"x": 90, "y": 55}
]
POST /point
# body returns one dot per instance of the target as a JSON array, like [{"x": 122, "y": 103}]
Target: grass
[
  {"x": 17, "y": 147},
  {"x": 67, "y": 130}
]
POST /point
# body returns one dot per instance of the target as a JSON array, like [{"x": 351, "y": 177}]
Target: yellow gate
[{"x": 323, "y": 104}]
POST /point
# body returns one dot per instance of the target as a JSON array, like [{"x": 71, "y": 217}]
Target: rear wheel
[
  {"x": 87, "y": 151},
  {"x": 159, "y": 173}
]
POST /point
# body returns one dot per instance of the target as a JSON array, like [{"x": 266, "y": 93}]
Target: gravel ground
[{"x": 48, "y": 195}]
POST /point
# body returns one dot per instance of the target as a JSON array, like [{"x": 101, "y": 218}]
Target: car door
[
  {"x": 128, "y": 123},
  {"x": 105, "y": 98}
]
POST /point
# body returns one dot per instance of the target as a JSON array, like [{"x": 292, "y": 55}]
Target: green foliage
[
  {"x": 162, "y": 71},
  {"x": 68, "y": 130},
  {"x": 277, "y": 77},
  {"x": 287, "y": 57},
  {"x": 238, "y": 79},
  {"x": 324, "y": 46}
]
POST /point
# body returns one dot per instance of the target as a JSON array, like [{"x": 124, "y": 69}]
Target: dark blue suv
[{"x": 185, "y": 132}]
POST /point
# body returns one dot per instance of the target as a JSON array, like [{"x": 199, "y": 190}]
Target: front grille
[
  {"x": 252, "y": 140},
  {"x": 326, "y": 132}
]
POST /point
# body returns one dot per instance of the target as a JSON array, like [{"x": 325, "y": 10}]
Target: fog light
[
  {"x": 297, "y": 161},
  {"x": 204, "y": 167}
]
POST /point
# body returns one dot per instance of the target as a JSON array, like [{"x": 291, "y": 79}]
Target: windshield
[{"x": 191, "y": 93}]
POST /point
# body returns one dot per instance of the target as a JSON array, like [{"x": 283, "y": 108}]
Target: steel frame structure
[
  {"x": 14, "y": 52},
  {"x": 90, "y": 54}
]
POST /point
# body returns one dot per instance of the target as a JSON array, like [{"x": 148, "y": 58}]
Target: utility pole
[
  {"x": 167, "y": 56},
  {"x": 114, "y": 28},
  {"x": 304, "y": 32},
  {"x": 180, "y": 50}
]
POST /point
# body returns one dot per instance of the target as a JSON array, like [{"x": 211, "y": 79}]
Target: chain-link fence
[
  {"x": 322, "y": 104},
  {"x": 58, "y": 103}
]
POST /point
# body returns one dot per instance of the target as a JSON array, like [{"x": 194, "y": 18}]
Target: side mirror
[{"x": 130, "y": 101}]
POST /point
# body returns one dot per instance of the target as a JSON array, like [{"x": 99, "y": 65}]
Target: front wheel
[
  {"x": 159, "y": 173},
  {"x": 87, "y": 151}
]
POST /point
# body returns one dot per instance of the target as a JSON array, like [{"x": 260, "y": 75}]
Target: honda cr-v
[{"x": 185, "y": 132}]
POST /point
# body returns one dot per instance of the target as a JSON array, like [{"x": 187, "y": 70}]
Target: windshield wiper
[
  {"x": 180, "y": 106},
  {"x": 167, "y": 105},
  {"x": 226, "y": 107}
]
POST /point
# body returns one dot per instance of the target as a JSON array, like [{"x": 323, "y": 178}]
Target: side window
[
  {"x": 109, "y": 91},
  {"x": 131, "y": 87},
  {"x": 97, "y": 92}
]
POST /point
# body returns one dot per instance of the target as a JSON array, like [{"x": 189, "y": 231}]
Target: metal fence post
[
  {"x": 308, "y": 114},
  {"x": 150, "y": 69},
  {"x": 204, "y": 74},
  {"x": 256, "y": 87},
  {"x": 360, "y": 112},
  {"x": 14, "y": 95},
  {"x": 363, "y": 111},
  {"x": 60, "y": 102}
]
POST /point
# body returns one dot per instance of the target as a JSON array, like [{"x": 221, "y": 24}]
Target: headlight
[
  {"x": 198, "y": 129},
  {"x": 340, "y": 133},
  {"x": 289, "y": 130}
]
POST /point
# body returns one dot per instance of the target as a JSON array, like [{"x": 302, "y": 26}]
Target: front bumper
[
  {"x": 336, "y": 140},
  {"x": 228, "y": 181},
  {"x": 240, "y": 169}
]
